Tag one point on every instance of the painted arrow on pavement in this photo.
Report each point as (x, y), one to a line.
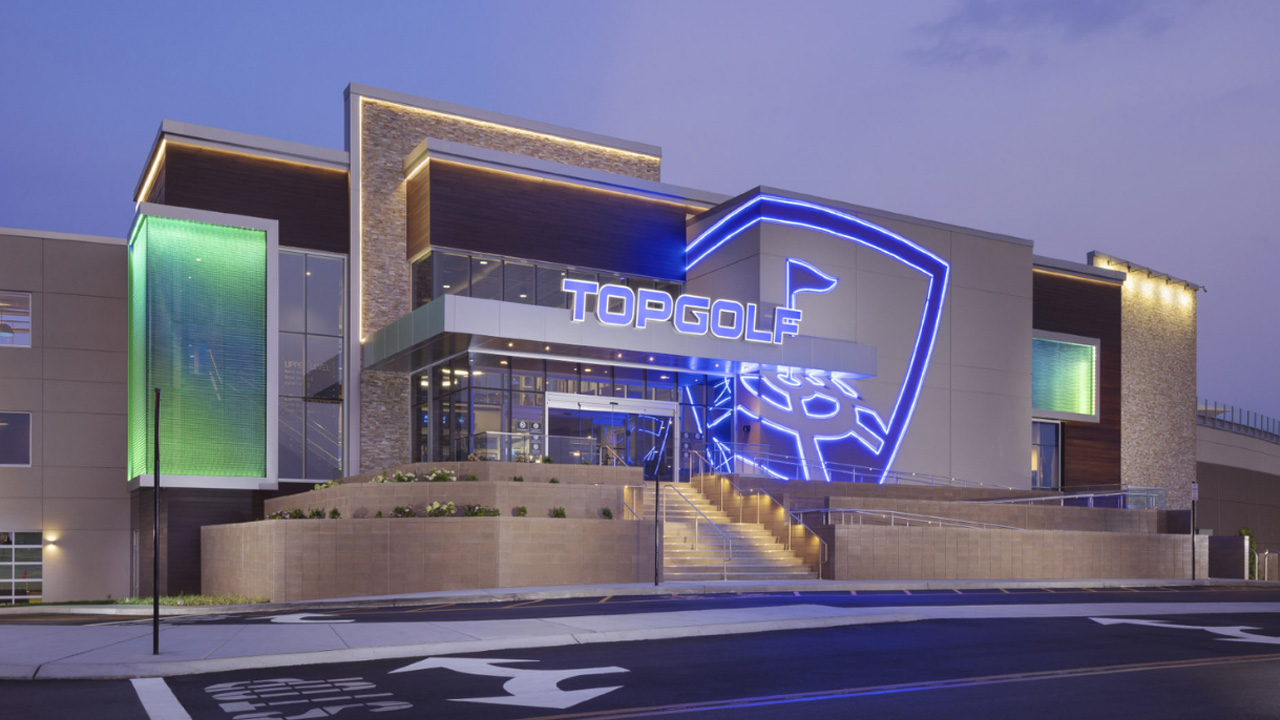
(528, 687)
(1233, 633)
(301, 619)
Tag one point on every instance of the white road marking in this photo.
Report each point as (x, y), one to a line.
(301, 619)
(1233, 633)
(528, 688)
(158, 700)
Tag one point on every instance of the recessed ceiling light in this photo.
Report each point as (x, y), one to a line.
(484, 262)
(446, 287)
(522, 296)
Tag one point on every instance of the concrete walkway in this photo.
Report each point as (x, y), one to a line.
(303, 635)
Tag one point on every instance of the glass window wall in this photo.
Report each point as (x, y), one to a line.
(474, 397)
(21, 567)
(15, 439)
(312, 297)
(448, 272)
(1046, 463)
(15, 319)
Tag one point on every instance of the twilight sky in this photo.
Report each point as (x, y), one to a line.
(1147, 129)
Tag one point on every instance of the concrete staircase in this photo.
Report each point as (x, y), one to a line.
(756, 553)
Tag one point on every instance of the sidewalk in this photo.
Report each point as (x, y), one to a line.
(302, 637)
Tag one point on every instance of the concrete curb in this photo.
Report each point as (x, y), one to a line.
(499, 595)
(98, 671)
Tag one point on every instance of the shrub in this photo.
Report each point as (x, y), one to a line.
(380, 477)
(518, 478)
(441, 475)
(607, 513)
(331, 483)
(471, 478)
(557, 512)
(334, 514)
(546, 460)
(435, 509)
(316, 514)
(290, 514)
(398, 476)
(379, 514)
(555, 481)
(479, 511)
(521, 511)
(403, 511)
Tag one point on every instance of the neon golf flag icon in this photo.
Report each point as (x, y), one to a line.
(815, 423)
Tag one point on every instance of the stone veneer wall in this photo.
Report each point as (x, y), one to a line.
(1158, 384)
(924, 553)
(388, 132)
(386, 419)
(286, 560)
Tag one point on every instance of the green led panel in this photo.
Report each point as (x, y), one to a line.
(1062, 376)
(197, 331)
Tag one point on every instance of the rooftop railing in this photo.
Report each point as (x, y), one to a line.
(1238, 420)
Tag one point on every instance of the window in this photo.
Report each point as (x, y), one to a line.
(1046, 461)
(21, 567)
(1064, 377)
(449, 272)
(311, 326)
(15, 319)
(15, 439)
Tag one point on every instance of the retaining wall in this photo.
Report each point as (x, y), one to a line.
(312, 559)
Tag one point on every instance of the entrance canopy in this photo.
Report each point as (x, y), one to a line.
(452, 323)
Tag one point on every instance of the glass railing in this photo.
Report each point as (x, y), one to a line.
(529, 447)
(1238, 420)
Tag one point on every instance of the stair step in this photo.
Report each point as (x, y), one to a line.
(693, 551)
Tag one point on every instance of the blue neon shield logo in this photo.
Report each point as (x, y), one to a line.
(811, 414)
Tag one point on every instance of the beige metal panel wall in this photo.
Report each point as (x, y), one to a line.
(72, 381)
(1239, 480)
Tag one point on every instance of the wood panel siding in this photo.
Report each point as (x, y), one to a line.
(1090, 451)
(311, 203)
(503, 213)
(418, 213)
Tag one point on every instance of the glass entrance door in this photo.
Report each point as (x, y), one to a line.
(614, 432)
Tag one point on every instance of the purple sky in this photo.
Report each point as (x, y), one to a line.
(1146, 130)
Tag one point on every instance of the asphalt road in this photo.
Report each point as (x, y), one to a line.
(1044, 668)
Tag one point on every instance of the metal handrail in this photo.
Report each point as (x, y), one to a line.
(728, 540)
(632, 510)
(824, 549)
(1155, 496)
(909, 518)
(1237, 420)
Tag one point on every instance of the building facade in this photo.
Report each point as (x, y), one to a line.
(462, 284)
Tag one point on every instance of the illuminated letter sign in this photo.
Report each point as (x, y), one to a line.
(620, 306)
